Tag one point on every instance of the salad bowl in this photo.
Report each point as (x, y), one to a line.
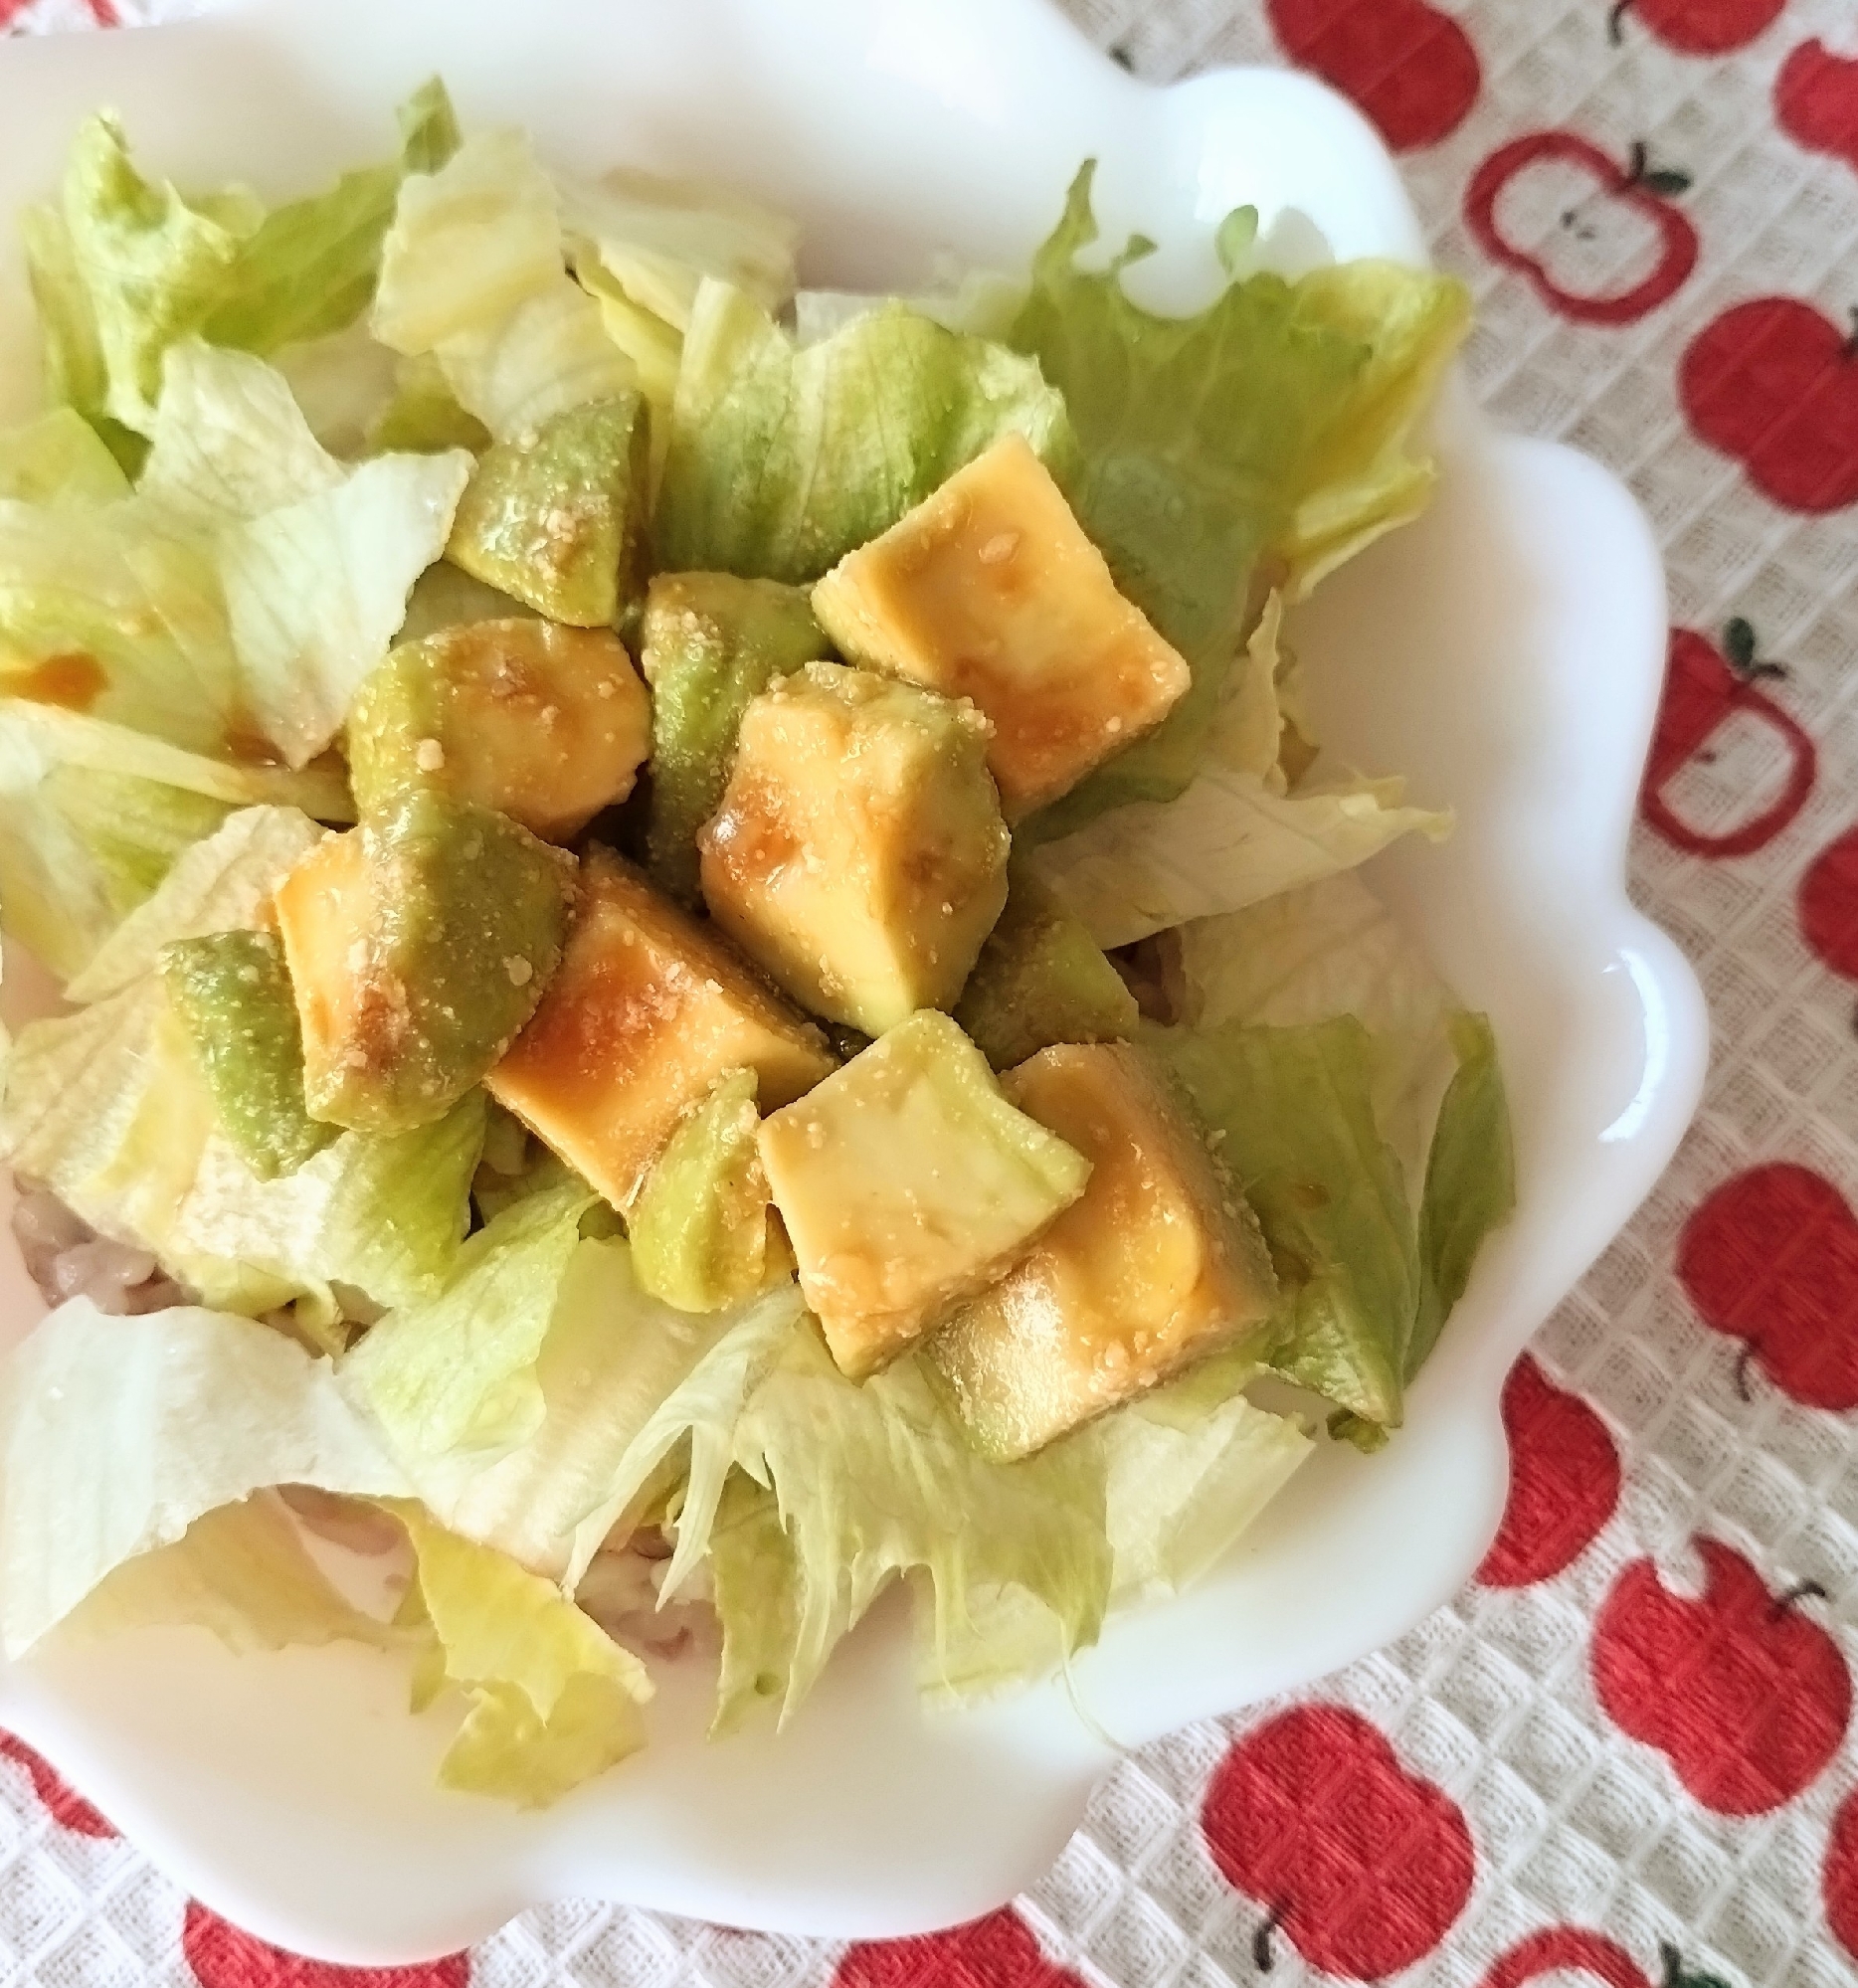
(1503, 652)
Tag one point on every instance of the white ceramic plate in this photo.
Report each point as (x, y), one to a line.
(1505, 653)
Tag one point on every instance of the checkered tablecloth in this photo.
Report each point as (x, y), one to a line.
(1623, 1756)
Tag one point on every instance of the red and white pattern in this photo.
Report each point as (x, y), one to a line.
(1624, 1756)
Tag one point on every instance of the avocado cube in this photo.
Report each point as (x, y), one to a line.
(859, 856)
(418, 944)
(699, 1225)
(1040, 980)
(649, 1010)
(231, 992)
(557, 517)
(1159, 1263)
(545, 724)
(710, 642)
(990, 590)
(907, 1184)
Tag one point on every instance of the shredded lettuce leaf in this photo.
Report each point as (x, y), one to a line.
(103, 614)
(641, 246)
(1239, 834)
(59, 462)
(784, 459)
(623, 1380)
(151, 267)
(317, 560)
(1189, 1468)
(117, 1435)
(241, 1571)
(1333, 948)
(554, 1700)
(1272, 427)
(223, 883)
(126, 267)
(474, 273)
(108, 1107)
(458, 1371)
(93, 816)
(378, 1217)
(1293, 1112)
(1470, 1181)
(309, 267)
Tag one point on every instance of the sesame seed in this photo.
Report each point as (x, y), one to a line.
(428, 756)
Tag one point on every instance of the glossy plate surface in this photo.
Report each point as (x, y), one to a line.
(1505, 653)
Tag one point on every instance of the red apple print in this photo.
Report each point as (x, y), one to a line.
(1741, 1689)
(1410, 69)
(998, 1951)
(1703, 689)
(222, 1956)
(1817, 101)
(1363, 1866)
(65, 1807)
(1574, 1950)
(1697, 27)
(1771, 1259)
(1641, 190)
(1774, 385)
(1564, 1480)
(1838, 1880)
(1829, 905)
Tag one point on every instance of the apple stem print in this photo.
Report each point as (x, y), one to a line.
(1696, 27)
(1537, 204)
(1361, 1864)
(1742, 1692)
(1704, 687)
(1562, 1950)
(1771, 1258)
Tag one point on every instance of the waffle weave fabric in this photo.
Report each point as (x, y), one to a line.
(1623, 1756)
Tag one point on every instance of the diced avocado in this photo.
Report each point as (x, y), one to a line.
(1160, 1262)
(649, 1010)
(233, 995)
(417, 944)
(543, 723)
(907, 1184)
(858, 855)
(990, 590)
(1041, 978)
(700, 1228)
(557, 518)
(709, 644)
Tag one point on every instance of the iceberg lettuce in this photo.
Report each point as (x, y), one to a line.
(1271, 428)
(553, 1700)
(458, 1372)
(117, 1435)
(108, 1107)
(317, 560)
(126, 267)
(223, 883)
(1240, 832)
(239, 1570)
(59, 461)
(93, 816)
(783, 457)
(474, 273)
